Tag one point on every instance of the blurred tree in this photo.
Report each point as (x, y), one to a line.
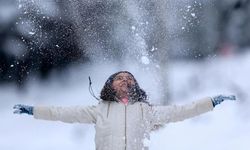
(233, 25)
(43, 42)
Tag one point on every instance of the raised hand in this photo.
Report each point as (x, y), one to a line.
(220, 98)
(20, 109)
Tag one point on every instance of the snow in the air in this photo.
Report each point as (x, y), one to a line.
(227, 127)
(145, 60)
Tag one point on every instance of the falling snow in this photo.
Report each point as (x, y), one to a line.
(145, 60)
(193, 15)
(31, 33)
(133, 27)
(139, 28)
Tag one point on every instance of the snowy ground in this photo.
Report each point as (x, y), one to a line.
(227, 127)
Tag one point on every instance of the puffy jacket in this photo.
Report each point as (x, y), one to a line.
(123, 127)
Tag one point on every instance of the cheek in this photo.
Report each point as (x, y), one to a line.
(114, 85)
(132, 82)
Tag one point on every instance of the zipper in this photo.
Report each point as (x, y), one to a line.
(125, 127)
(108, 110)
(141, 111)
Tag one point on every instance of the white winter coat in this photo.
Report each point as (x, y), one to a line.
(123, 127)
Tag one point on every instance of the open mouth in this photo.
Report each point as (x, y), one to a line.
(124, 84)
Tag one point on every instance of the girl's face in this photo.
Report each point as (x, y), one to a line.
(122, 83)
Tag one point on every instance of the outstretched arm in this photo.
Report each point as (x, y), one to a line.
(174, 113)
(72, 114)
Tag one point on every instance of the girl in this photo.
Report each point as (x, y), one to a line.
(123, 118)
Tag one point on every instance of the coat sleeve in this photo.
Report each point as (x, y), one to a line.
(72, 114)
(165, 114)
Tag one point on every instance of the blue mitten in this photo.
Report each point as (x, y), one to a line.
(220, 98)
(20, 109)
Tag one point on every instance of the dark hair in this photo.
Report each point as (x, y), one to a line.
(136, 94)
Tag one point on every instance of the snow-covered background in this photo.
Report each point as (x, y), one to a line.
(227, 127)
(195, 48)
